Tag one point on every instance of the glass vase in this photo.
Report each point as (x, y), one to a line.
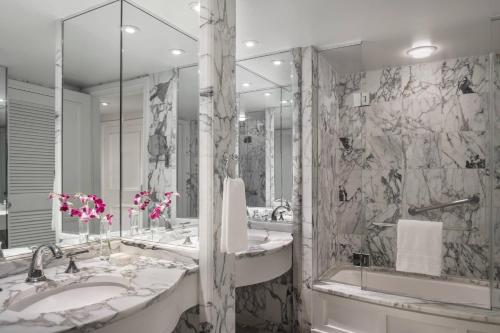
(105, 240)
(155, 229)
(135, 223)
(83, 231)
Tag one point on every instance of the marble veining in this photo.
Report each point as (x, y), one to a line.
(266, 307)
(423, 140)
(218, 139)
(161, 122)
(253, 157)
(150, 279)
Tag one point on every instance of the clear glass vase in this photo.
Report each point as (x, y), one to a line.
(154, 227)
(83, 231)
(104, 239)
(136, 227)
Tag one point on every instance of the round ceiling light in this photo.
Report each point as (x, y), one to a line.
(130, 29)
(284, 101)
(177, 52)
(246, 85)
(267, 94)
(420, 52)
(104, 103)
(277, 62)
(250, 43)
(195, 6)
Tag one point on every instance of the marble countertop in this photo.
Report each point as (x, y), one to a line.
(150, 280)
(408, 303)
(261, 243)
(272, 241)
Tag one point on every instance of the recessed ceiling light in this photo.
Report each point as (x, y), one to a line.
(177, 52)
(250, 43)
(420, 52)
(246, 84)
(242, 117)
(267, 94)
(277, 62)
(130, 29)
(195, 6)
(284, 102)
(104, 103)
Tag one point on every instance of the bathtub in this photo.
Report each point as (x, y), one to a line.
(453, 290)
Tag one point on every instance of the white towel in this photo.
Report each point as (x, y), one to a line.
(419, 247)
(234, 228)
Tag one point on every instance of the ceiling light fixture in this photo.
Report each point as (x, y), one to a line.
(284, 102)
(195, 6)
(267, 94)
(420, 52)
(177, 52)
(246, 85)
(104, 103)
(242, 117)
(277, 62)
(250, 43)
(130, 29)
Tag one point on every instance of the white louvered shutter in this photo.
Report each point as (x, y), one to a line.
(30, 128)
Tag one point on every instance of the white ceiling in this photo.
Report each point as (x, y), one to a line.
(27, 27)
(92, 46)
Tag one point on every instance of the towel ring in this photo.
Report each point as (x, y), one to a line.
(227, 159)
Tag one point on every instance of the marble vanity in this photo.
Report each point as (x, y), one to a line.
(150, 287)
(270, 251)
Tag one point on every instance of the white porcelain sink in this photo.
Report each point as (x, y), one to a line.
(68, 296)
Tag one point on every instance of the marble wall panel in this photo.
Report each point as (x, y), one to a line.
(217, 139)
(161, 125)
(424, 139)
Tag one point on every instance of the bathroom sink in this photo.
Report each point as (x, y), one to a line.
(193, 241)
(68, 296)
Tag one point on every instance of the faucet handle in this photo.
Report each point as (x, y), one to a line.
(75, 253)
(72, 265)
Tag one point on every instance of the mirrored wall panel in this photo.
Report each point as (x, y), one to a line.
(265, 135)
(132, 141)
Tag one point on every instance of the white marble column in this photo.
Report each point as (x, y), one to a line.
(58, 96)
(218, 121)
(309, 105)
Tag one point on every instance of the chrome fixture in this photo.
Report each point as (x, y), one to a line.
(35, 274)
(187, 241)
(278, 212)
(72, 265)
(473, 199)
(227, 159)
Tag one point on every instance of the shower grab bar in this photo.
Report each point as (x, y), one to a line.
(473, 199)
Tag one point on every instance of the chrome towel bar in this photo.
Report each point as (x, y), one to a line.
(473, 199)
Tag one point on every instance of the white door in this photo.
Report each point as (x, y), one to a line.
(131, 167)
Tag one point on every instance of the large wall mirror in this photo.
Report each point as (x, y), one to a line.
(136, 136)
(128, 127)
(265, 135)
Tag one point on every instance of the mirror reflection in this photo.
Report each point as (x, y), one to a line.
(265, 135)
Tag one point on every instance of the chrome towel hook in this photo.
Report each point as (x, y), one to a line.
(227, 159)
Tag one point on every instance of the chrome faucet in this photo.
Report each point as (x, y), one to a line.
(277, 213)
(35, 274)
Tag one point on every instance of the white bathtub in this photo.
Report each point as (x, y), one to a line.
(446, 291)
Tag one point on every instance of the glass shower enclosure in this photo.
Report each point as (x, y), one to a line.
(397, 135)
